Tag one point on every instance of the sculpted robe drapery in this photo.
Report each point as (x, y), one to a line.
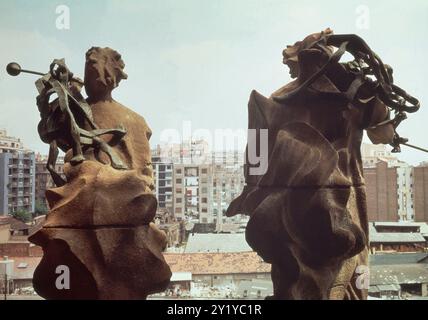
(308, 214)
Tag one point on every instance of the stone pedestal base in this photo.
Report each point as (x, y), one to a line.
(102, 263)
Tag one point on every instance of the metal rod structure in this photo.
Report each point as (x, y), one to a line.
(415, 147)
(14, 69)
(33, 72)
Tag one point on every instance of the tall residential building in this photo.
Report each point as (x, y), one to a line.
(405, 192)
(203, 182)
(389, 184)
(228, 183)
(420, 189)
(43, 177)
(17, 176)
(192, 191)
(389, 187)
(205, 190)
(381, 192)
(162, 176)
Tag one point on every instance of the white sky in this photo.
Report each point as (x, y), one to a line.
(198, 60)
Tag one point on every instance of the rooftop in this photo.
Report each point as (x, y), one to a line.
(15, 224)
(23, 267)
(399, 274)
(398, 258)
(216, 263)
(181, 276)
(217, 242)
(396, 237)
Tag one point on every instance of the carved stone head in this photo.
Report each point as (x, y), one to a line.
(291, 52)
(103, 71)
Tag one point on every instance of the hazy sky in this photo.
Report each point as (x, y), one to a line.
(198, 60)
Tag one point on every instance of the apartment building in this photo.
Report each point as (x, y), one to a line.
(420, 190)
(192, 191)
(389, 192)
(389, 183)
(43, 177)
(162, 176)
(228, 183)
(17, 175)
(205, 190)
(195, 183)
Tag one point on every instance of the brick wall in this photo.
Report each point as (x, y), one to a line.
(20, 249)
(381, 189)
(420, 192)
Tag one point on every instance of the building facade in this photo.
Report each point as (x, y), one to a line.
(390, 185)
(228, 183)
(43, 177)
(162, 178)
(420, 187)
(381, 192)
(17, 176)
(192, 191)
(205, 190)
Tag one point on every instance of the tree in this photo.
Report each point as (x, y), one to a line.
(22, 215)
(40, 208)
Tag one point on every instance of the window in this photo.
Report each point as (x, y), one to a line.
(179, 181)
(204, 171)
(204, 200)
(178, 200)
(178, 171)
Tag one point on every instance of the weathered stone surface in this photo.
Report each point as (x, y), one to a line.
(308, 215)
(100, 221)
(104, 262)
